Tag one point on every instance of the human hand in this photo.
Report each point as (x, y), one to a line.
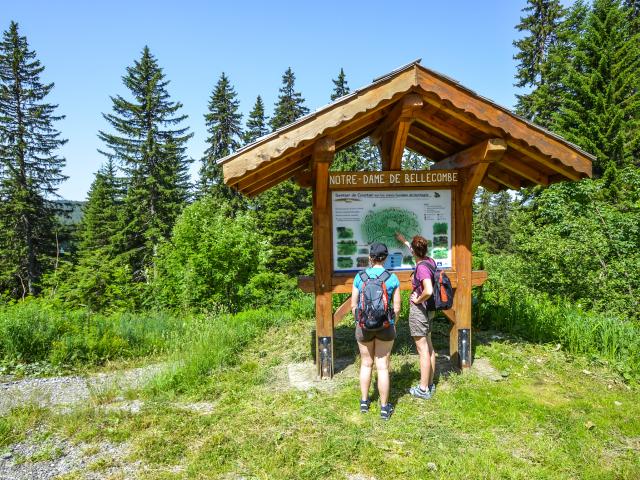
(400, 237)
(414, 297)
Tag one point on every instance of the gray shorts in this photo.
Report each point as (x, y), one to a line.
(420, 320)
(384, 334)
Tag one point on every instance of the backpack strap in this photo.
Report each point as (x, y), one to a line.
(384, 276)
(430, 266)
(363, 276)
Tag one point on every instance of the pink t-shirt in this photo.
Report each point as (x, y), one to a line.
(421, 272)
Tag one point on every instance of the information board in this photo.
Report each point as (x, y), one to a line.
(363, 217)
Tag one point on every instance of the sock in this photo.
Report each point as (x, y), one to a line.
(423, 389)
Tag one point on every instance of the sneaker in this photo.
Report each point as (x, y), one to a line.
(364, 405)
(432, 389)
(417, 392)
(386, 411)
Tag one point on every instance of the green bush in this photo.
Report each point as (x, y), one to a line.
(209, 258)
(38, 331)
(508, 305)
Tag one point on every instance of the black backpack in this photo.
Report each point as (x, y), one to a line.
(442, 298)
(373, 311)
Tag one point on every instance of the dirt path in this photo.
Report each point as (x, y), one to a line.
(70, 390)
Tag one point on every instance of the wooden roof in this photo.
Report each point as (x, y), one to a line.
(428, 113)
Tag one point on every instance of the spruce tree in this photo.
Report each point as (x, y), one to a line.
(149, 145)
(340, 86)
(223, 123)
(601, 108)
(290, 104)
(30, 170)
(256, 123)
(542, 23)
(284, 211)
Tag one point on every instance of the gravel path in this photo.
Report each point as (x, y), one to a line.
(61, 391)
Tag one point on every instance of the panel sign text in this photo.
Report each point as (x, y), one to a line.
(415, 178)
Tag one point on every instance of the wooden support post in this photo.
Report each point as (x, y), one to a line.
(391, 134)
(477, 160)
(322, 157)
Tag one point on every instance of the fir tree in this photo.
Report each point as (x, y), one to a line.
(290, 104)
(542, 22)
(340, 86)
(223, 123)
(256, 123)
(284, 211)
(149, 145)
(101, 222)
(601, 108)
(30, 170)
(355, 157)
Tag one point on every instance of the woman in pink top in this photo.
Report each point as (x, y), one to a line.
(420, 318)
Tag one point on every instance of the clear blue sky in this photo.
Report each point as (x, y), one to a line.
(86, 46)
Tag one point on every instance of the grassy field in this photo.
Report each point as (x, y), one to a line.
(552, 415)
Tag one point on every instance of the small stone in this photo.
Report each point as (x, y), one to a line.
(590, 425)
(558, 347)
(504, 374)
(7, 456)
(432, 467)
(617, 403)
(586, 372)
(609, 386)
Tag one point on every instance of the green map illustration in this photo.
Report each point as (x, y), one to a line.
(382, 225)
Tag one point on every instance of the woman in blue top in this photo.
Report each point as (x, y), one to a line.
(376, 344)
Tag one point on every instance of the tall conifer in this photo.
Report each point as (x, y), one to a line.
(284, 211)
(542, 23)
(223, 123)
(149, 145)
(601, 107)
(256, 123)
(30, 170)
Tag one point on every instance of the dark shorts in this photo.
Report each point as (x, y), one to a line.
(420, 320)
(384, 334)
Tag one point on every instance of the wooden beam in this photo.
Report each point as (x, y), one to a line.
(504, 178)
(427, 117)
(473, 177)
(323, 153)
(566, 172)
(343, 282)
(484, 152)
(274, 168)
(429, 137)
(269, 177)
(491, 185)
(422, 149)
(462, 258)
(342, 311)
(522, 169)
(398, 141)
(402, 111)
(303, 178)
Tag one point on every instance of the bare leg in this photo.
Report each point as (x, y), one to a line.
(366, 365)
(422, 345)
(383, 360)
(432, 356)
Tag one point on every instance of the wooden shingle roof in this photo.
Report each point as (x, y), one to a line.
(441, 118)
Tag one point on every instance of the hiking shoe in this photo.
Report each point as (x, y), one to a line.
(417, 392)
(364, 406)
(386, 411)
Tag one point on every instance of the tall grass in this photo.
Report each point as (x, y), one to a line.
(37, 331)
(212, 342)
(506, 305)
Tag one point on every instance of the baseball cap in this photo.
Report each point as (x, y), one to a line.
(378, 250)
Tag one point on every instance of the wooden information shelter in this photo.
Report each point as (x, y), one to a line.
(472, 141)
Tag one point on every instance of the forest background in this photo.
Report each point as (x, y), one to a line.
(151, 247)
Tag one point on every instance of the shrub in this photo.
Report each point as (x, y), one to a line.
(508, 305)
(209, 258)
